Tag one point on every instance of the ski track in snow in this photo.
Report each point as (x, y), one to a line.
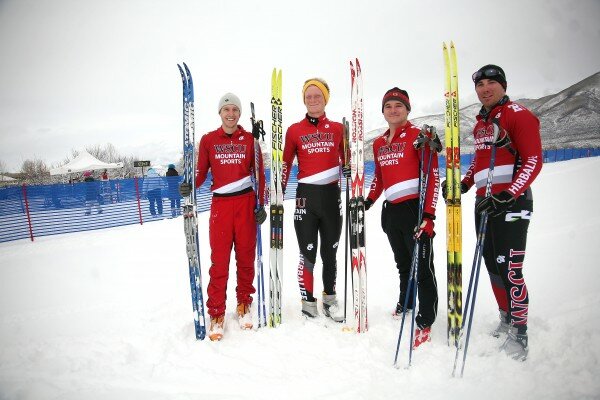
(107, 315)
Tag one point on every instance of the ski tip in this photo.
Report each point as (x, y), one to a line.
(444, 46)
(187, 70)
(357, 64)
(451, 44)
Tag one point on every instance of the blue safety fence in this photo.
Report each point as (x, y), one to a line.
(569, 154)
(549, 156)
(465, 162)
(31, 211)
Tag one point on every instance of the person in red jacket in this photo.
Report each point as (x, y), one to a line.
(517, 163)
(318, 144)
(397, 169)
(228, 153)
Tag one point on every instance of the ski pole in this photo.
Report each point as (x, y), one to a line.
(347, 229)
(257, 130)
(413, 275)
(474, 278)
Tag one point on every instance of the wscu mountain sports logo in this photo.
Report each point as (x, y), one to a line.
(320, 142)
(484, 137)
(389, 154)
(230, 153)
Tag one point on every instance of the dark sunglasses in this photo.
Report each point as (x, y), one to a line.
(487, 73)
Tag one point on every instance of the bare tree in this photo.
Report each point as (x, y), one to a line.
(35, 171)
(106, 153)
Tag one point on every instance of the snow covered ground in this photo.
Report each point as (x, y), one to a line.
(107, 315)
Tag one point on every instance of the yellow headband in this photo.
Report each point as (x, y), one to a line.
(320, 85)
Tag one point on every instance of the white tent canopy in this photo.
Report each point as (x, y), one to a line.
(84, 162)
(4, 178)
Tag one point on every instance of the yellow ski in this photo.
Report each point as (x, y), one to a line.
(453, 204)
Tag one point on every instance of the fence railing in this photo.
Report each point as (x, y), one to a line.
(31, 211)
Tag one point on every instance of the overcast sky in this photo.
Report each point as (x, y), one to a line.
(75, 73)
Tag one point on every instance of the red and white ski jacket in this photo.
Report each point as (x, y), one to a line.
(513, 173)
(320, 151)
(397, 169)
(231, 162)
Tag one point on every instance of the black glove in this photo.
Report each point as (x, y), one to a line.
(185, 189)
(463, 189)
(425, 230)
(257, 129)
(346, 171)
(428, 136)
(495, 204)
(368, 204)
(260, 215)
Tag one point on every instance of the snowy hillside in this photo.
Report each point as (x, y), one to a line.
(107, 315)
(570, 118)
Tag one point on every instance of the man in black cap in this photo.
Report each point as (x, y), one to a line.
(518, 161)
(397, 171)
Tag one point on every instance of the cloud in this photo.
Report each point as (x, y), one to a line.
(86, 72)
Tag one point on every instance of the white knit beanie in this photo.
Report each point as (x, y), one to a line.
(230, 98)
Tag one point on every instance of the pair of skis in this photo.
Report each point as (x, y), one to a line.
(457, 335)
(257, 131)
(453, 203)
(357, 203)
(190, 212)
(276, 201)
(275, 211)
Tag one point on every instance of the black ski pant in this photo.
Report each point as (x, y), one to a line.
(504, 254)
(318, 213)
(398, 222)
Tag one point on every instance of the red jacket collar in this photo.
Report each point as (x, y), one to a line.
(398, 130)
(238, 132)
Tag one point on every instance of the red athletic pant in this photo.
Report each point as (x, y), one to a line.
(231, 223)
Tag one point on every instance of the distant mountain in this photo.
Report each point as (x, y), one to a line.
(570, 118)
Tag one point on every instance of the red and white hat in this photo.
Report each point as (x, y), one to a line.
(396, 94)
